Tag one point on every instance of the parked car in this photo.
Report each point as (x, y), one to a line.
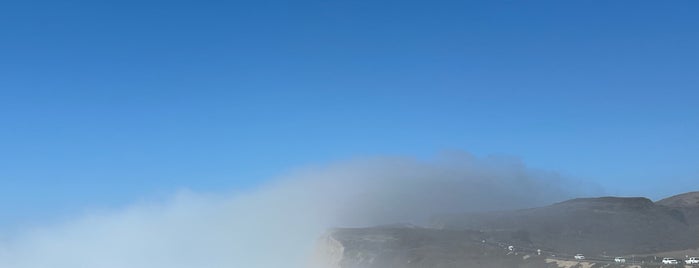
(619, 260)
(669, 261)
(579, 257)
(692, 260)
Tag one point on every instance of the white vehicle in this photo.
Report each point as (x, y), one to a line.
(669, 261)
(579, 257)
(692, 260)
(619, 260)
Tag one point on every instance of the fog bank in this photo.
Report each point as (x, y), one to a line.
(276, 225)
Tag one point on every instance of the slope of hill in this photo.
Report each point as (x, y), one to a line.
(688, 204)
(606, 225)
(385, 247)
(597, 227)
(686, 200)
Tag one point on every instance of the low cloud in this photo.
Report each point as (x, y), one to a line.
(276, 225)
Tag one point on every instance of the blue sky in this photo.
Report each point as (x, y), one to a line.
(103, 103)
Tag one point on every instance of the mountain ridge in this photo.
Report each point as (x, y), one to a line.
(597, 226)
(685, 200)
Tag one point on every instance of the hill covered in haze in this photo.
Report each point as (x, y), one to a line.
(606, 225)
(597, 227)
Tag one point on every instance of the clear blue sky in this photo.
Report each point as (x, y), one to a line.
(103, 103)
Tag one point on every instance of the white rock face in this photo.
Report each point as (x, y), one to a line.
(328, 254)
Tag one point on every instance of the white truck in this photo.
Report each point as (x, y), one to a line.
(669, 261)
(692, 260)
(579, 257)
(619, 260)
